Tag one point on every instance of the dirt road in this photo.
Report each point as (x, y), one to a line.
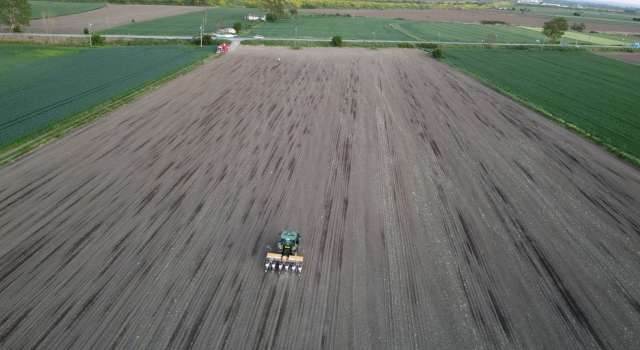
(434, 213)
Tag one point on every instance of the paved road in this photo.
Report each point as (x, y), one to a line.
(434, 212)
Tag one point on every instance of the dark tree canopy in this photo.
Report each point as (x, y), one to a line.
(555, 28)
(274, 7)
(14, 13)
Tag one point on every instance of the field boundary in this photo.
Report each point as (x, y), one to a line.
(616, 151)
(77, 120)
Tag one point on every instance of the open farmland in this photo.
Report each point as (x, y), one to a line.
(42, 86)
(434, 213)
(186, 24)
(61, 8)
(362, 28)
(587, 38)
(109, 16)
(319, 26)
(590, 16)
(595, 93)
(514, 18)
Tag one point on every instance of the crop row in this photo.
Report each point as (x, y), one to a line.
(39, 92)
(595, 93)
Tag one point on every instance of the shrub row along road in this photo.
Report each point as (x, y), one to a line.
(434, 213)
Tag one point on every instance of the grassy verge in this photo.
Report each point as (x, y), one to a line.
(15, 150)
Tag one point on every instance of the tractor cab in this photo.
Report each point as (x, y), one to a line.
(288, 244)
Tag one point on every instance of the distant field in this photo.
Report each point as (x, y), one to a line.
(362, 28)
(42, 86)
(326, 26)
(186, 24)
(593, 38)
(595, 93)
(61, 8)
(428, 31)
(587, 16)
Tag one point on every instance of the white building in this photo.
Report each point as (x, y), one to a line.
(255, 17)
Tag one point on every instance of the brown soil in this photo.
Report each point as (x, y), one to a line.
(434, 213)
(118, 15)
(470, 16)
(623, 56)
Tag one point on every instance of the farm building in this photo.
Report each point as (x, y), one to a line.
(255, 17)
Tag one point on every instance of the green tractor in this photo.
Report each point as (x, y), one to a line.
(287, 254)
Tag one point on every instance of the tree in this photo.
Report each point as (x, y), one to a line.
(237, 27)
(555, 28)
(14, 13)
(274, 7)
(578, 27)
(293, 11)
(437, 53)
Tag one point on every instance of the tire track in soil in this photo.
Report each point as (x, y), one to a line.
(433, 213)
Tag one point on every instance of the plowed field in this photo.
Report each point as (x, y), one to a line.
(434, 213)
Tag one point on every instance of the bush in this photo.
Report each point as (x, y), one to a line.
(17, 29)
(488, 22)
(437, 53)
(86, 30)
(576, 14)
(427, 45)
(207, 40)
(133, 20)
(406, 46)
(336, 41)
(271, 17)
(237, 26)
(97, 39)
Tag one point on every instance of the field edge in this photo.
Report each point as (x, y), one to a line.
(18, 149)
(575, 128)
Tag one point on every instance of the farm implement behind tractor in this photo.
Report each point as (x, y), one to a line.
(286, 257)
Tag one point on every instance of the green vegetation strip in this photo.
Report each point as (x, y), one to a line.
(35, 135)
(592, 95)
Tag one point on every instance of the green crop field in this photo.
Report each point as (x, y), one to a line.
(597, 94)
(593, 38)
(362, 28)
(41, 86)
(61, 8)
(350, 28)
(324, 27)
(456, 32)
(186, 24)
